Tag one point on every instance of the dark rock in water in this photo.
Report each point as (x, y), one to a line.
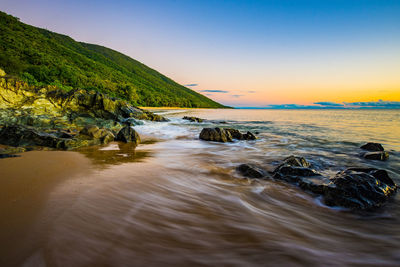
(372, 147)
(354, 188)
(315, 185)
(359, 188)
(127, 135)
(193, 119)
(215, 134)
(250, 171)
(296, 162)
(236, 134)
(293, 169)
(378, 155)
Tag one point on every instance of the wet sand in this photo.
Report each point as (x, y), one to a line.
(26, 183)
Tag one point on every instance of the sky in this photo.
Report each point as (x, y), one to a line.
(245, 53)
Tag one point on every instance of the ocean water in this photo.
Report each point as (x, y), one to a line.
(177, 201)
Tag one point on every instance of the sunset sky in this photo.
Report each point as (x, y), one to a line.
(244, 53)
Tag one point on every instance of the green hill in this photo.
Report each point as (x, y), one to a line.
(41, 57)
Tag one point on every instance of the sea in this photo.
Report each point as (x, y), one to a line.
(176, 200)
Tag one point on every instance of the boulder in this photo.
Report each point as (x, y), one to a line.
(215, 134)
(296, 162)
(236, 134)
(127, 135)
(359, 188)
(93, 132)
(293, 169)
(193, 119)
(250, 171)
(372, 147)
(20, 135)
(377, 155)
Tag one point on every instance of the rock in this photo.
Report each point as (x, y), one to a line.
(296, 162)
(236, 134)
(249, 136)
(193, 119)
(91, 131)
(372, 147)
(354, 188)
(314, 185)
(3, 156)
(215, 134)
(224, 135)
(131, 122)
(63, 134)
(378, 155)
(19, 135)
(127, 135)
(250, 171)
(293, 169)
(359, 188)
(51, 102)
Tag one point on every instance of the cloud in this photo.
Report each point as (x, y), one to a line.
(236, 96)
(329, 104)
(215, 91)
(346, 105)
(251, 92)
(290, 106)
(375, 104)
(191, 84)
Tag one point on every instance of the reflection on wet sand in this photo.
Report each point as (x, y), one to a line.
(114, 154)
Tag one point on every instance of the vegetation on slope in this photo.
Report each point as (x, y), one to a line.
(41, 57)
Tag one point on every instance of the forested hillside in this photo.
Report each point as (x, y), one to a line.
(41, 57)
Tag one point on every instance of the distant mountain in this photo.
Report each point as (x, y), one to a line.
(42, 57)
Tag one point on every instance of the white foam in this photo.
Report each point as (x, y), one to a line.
(165, 130)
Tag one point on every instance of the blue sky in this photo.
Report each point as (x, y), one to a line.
(245, 53)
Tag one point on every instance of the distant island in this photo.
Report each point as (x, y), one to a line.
(40, 58)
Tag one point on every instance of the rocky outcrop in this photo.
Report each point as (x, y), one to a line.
(193, 119)
(216, 135)
(128, 135)
(20, 135)
(353, 188)
(224, 135)
(27, 136)
(51, 101)
(50, 117)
